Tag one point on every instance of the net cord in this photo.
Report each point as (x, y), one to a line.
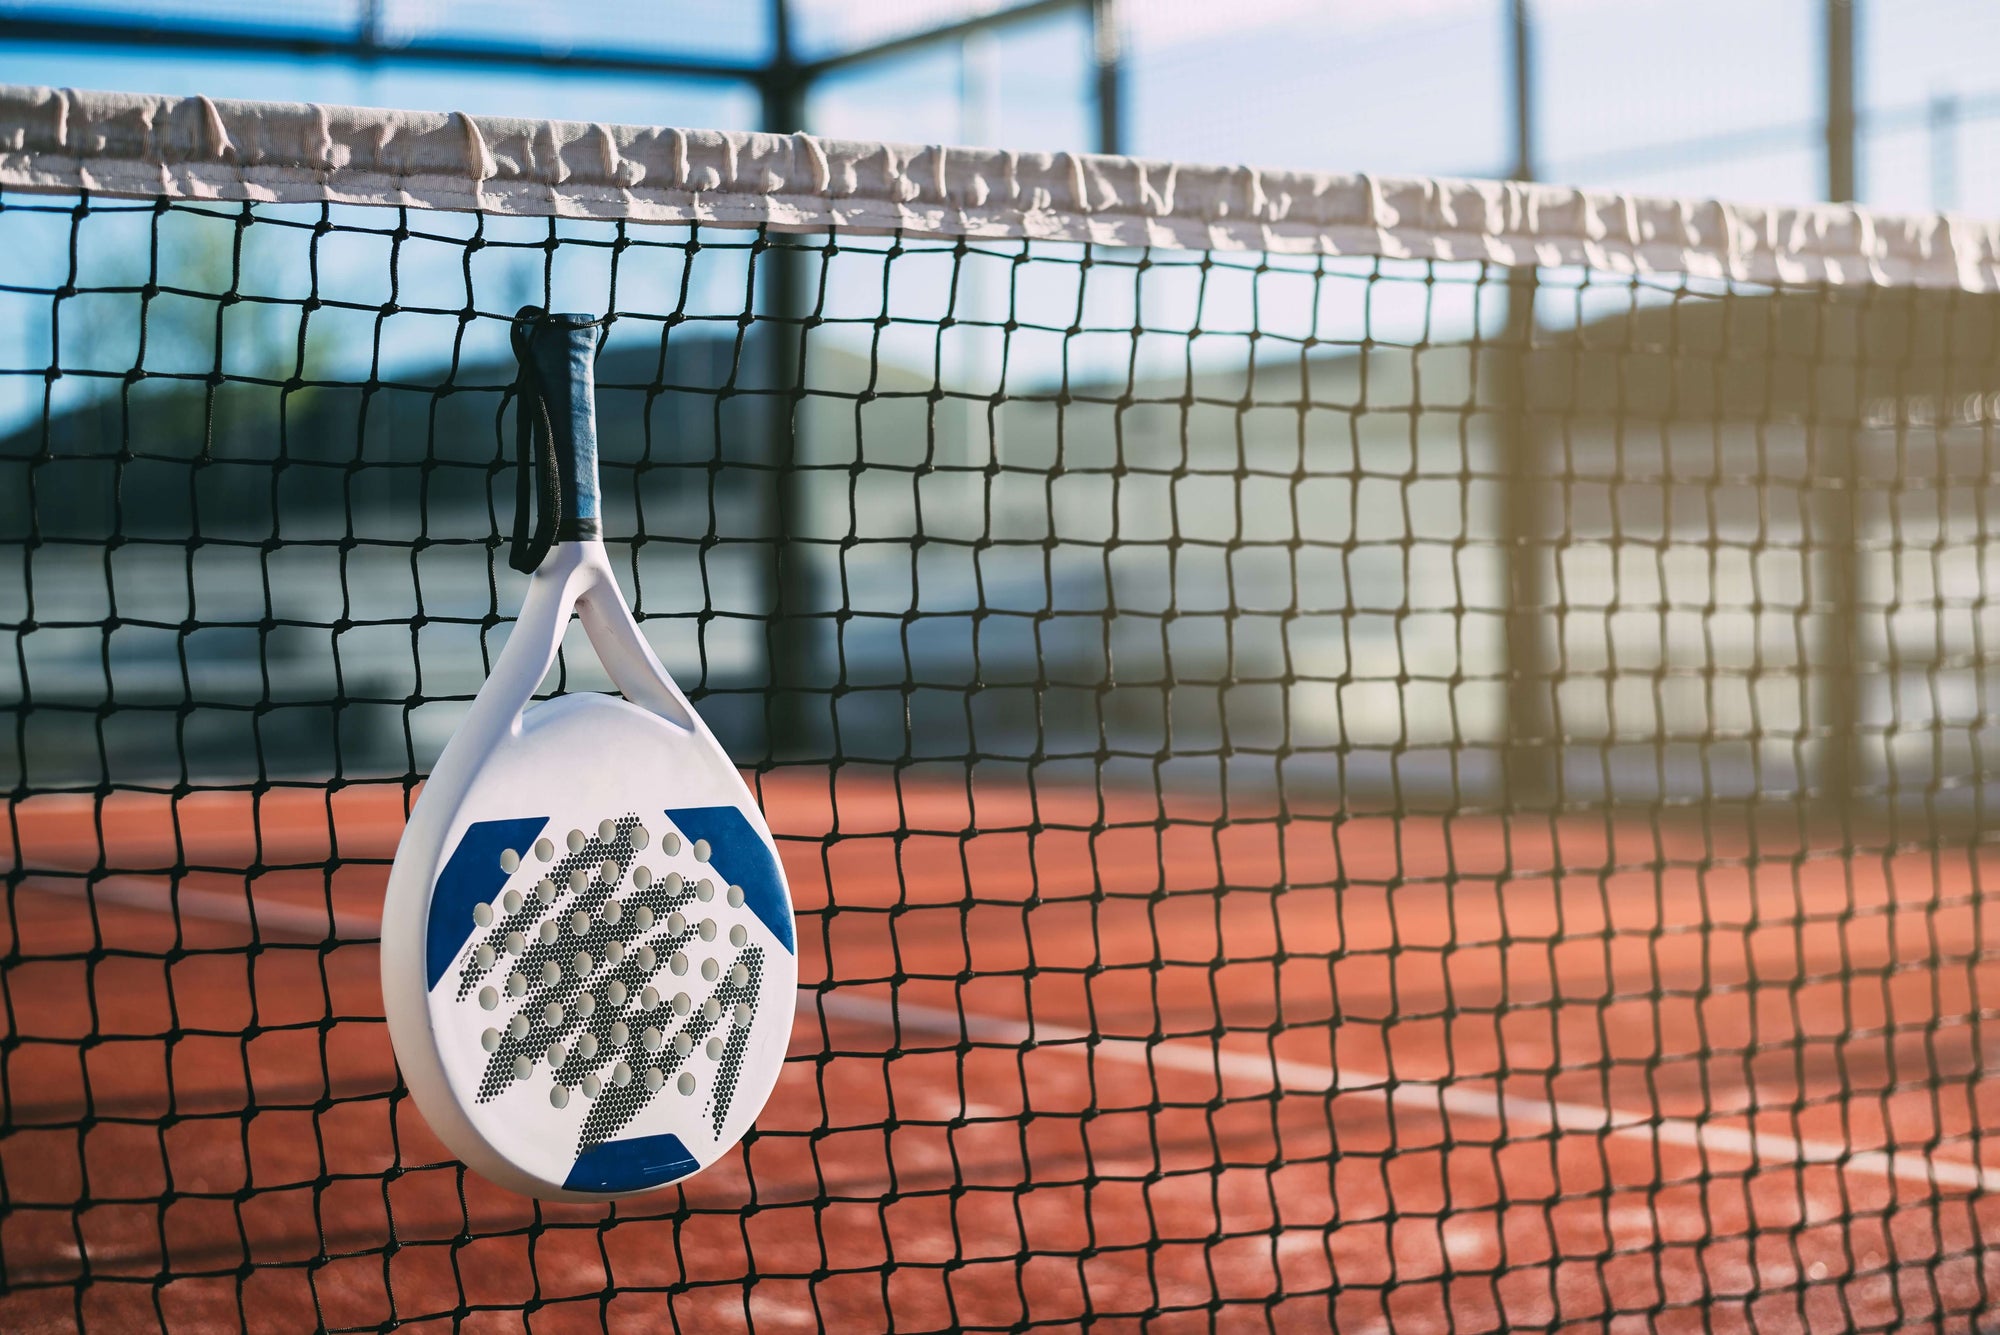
(148, 146)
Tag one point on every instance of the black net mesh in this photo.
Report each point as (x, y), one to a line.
(1394, 794)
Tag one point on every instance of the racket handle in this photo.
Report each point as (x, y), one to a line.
(558, 355)
(563, 348)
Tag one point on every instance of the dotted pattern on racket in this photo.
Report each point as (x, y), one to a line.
(594, 967)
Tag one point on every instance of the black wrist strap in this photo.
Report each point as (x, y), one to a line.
(534, 452)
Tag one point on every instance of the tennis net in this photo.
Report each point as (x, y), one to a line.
(1400, 754)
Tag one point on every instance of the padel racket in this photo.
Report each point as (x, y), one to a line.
(588, 956)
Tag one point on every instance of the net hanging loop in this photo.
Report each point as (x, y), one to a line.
(536, 444)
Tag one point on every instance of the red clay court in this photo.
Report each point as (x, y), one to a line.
(1062, 1056)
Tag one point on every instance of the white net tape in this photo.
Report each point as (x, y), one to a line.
(122, 144)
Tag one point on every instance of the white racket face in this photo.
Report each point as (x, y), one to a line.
(609, 958)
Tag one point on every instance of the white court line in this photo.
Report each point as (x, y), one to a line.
(1761, 1147)
(274, 918)
(1295, 1077)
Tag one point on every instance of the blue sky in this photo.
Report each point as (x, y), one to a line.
(1413, 87)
